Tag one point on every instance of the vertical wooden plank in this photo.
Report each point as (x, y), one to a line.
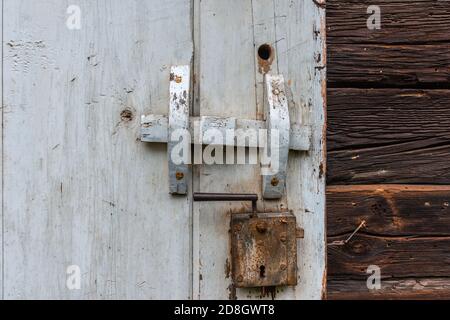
(226, 58)
(229, 32)
(264, 34)
(81, 188)
(1, 153)
(300, 32)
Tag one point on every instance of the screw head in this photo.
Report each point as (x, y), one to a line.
(275, 182)
(180, 176)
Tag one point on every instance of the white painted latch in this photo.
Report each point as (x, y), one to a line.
(281, 135)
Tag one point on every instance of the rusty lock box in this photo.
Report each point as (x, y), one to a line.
(264, 250)
(263, 245)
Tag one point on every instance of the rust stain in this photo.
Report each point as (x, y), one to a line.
(176, 78)
(127, 115)
(179, 176)
(320, 3)
(266, 57)
(321, 170)
(324, 284)
(227, 269)
(232, 290)
(264, 250)
(275, 182)
(269, 291)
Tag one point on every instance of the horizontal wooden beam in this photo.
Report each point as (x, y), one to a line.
(389, 210)
(359, 118)
(406, 234)
(389, 65)
(388, 136)
(406, 22)
(391, 289)
(396, 256)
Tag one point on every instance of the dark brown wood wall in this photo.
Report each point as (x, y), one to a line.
(389, 148)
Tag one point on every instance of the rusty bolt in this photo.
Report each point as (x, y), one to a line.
(261, 227)
(178, 79)
(240, 279)
(283, 267)
(180, 176)
(275, 181)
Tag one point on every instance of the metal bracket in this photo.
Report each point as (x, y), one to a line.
(278, 121)
(178, 120)
(165, 129)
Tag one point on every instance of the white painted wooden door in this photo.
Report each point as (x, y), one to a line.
(81, 193)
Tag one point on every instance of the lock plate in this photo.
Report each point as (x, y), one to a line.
(264, 250)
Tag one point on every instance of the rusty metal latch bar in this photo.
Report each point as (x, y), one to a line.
(207, 197)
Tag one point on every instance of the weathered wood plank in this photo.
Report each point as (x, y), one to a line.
(389, 210)
(391, 289)
(80, 188)
(360, 118)
(412, 22)
(416, 162)
(398, 257)
(226, 89)
(1, 158)
(389, 65)
(300, 52)
(388, 136)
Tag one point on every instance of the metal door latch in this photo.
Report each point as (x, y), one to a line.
(263, 245)
(160, 128)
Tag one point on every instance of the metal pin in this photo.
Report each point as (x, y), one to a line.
(343, 243)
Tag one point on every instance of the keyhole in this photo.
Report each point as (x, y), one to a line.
(262, 271)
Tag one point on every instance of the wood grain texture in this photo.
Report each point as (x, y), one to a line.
(415, 162)
(402, 22)
(80, 188)
(360, 118)
(228, 87)
(372, 65)
(406, 235)
(1, 159)
(389, 210)
(391, 289)
(399, 257)
(388, 136)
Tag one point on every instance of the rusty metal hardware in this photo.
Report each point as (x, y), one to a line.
(210, 197)
(263, 245)
(291, 135)
(264, 250)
